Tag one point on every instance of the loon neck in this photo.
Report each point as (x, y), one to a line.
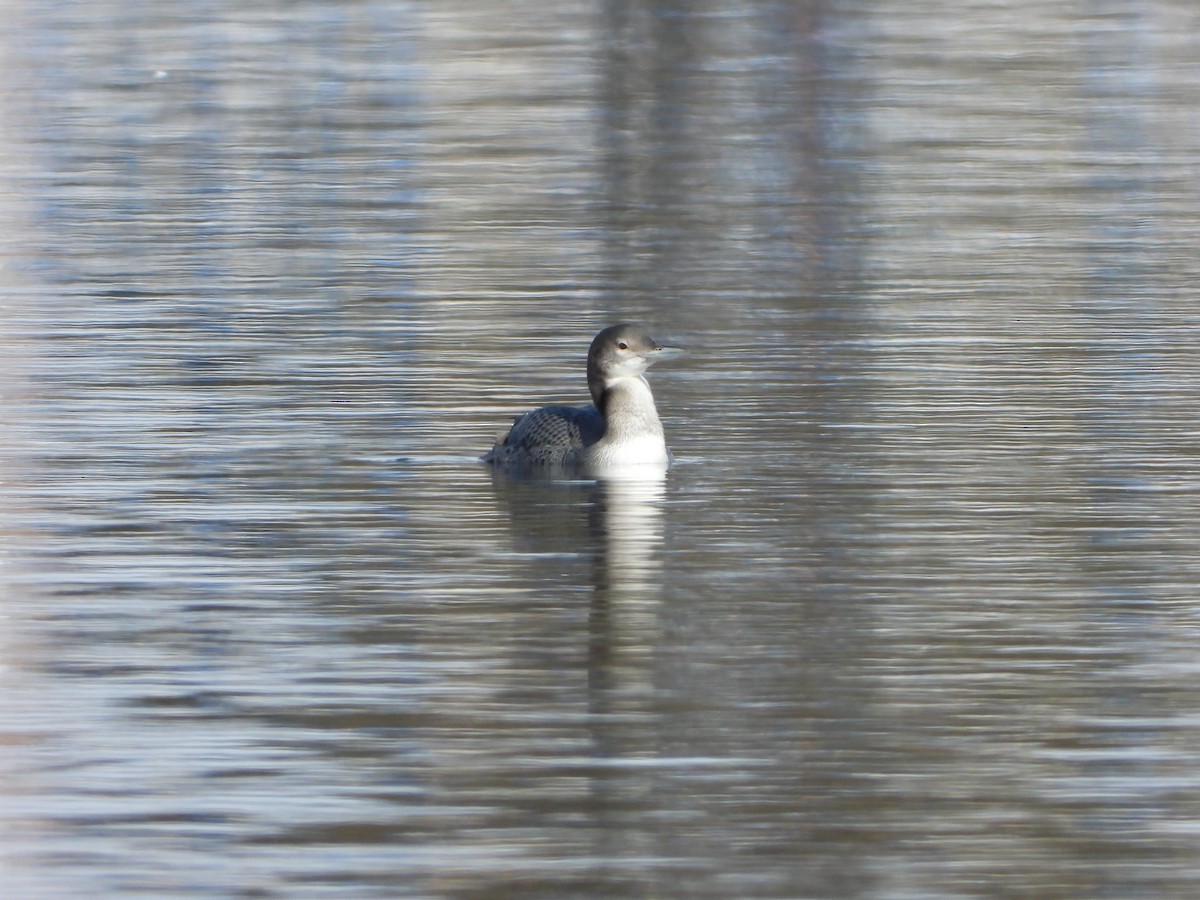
(633, 435)
(628, 409)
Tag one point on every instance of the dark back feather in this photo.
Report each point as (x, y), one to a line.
(552, 435)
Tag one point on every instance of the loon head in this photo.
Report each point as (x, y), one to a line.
(620, 351)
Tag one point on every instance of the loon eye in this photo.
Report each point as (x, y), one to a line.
(622, 345)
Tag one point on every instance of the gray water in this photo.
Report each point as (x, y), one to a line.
(916, 614)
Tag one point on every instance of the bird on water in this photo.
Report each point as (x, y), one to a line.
(619, 429)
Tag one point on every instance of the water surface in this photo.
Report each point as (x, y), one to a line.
(915, 614)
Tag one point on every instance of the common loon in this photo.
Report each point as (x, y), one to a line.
(620, 428)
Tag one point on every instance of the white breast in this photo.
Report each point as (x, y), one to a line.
(644, 450)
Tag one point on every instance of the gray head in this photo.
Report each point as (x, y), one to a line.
(620, 351)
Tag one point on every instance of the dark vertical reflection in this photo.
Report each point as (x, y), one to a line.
(727, 134)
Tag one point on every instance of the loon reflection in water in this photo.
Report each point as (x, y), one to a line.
(621, 427)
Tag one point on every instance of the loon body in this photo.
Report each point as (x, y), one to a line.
(619, 429)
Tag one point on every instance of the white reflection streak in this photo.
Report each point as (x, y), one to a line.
(633, 530)
(629, 541)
